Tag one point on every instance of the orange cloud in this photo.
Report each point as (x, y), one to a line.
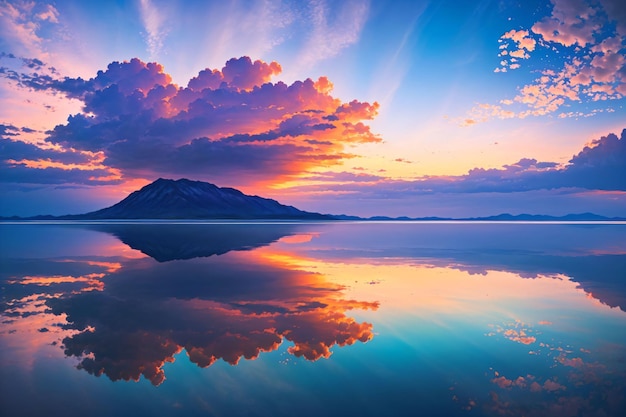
(230, 125)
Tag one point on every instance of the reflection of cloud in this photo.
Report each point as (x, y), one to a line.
(519, 336)
(23, 277)
(571, 385)
(318, 331)
(587, 257)
(517, 332)
(227, 307)
(299, 238)
(527, 383)
(92, 280)
(130, 338)
(27, 284)
(503, 382)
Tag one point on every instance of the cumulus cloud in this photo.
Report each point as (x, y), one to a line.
(520, 43)
(585, 44)
(229, 125)
(601, 165)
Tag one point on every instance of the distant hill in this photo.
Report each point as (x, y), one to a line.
(538, 217)
(579, 217)
(186, 199)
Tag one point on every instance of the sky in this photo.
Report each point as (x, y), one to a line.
(404, 108)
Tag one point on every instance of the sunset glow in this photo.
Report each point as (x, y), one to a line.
(328, 106)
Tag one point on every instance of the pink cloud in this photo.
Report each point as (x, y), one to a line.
(571, 22)
(521, 38)
(584, 33)
(519, 336)
(238, 72)
(520, 42)
(550, 385)
(225, 122)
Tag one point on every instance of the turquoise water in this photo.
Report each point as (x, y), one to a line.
(313, 319)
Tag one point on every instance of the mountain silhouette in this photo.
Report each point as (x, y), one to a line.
(168, 242)
(186, 199)
(196, 200)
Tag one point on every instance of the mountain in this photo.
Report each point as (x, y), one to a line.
(576, 217)
(539, 217)
(186, 199)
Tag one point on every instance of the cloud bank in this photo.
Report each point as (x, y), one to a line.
(224, 124)
(600, 166)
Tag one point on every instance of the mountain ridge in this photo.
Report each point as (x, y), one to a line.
(184, 199)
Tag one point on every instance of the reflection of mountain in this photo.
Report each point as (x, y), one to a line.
(166, 242)
(185, 199)
(561, 249)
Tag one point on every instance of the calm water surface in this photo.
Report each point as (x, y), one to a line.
(313, 319)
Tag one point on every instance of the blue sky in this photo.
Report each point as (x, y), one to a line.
(414, 108)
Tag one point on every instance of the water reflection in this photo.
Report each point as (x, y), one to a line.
(458, 319)
(129, 317)
(167, 242)
(594, 256)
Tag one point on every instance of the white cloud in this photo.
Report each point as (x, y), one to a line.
(332, 29)
(152, 19)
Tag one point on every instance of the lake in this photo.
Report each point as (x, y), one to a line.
(313, 319)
